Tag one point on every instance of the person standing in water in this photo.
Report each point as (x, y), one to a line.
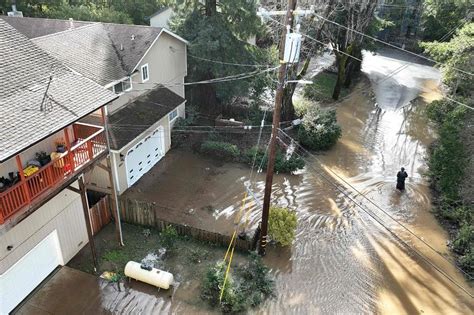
(401, 176)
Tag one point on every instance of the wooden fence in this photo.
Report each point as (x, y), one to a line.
(147, 214)
(100, 214)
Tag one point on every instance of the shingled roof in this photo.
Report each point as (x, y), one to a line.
(36, 27)
(25, 70)
(104, 52)
(88, 50)
(142, 113)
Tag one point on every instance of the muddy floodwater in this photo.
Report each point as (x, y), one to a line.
(343, 261)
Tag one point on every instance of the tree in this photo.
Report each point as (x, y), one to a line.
(217, 30)
(441, 18)
(456, 54)
(355, 16)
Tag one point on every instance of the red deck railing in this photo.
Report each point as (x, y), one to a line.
(91, 142)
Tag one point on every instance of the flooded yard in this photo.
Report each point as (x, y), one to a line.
(343, 261)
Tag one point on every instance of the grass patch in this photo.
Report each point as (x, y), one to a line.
(322, 88)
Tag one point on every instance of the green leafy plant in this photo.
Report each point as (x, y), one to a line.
(282, 225)
(247, 286)
(319, 130)
(464, 240)
(282, 164)
(168, 236)
(220, 150)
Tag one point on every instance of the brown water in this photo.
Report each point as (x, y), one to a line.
(342, 261)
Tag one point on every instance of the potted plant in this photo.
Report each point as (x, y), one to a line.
(60, 146)
(43, 158)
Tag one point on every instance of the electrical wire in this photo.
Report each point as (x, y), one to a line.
(230, 63)
(390, 45)
(374, 204)
(376, 218)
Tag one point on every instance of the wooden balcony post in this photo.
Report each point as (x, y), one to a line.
(70, 155)
(102, 110)
(22, 177)
(85, 208)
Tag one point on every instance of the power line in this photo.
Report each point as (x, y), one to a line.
(391, 45)
(421, 88)
(373, 203)
(376, 218)
(230, 63)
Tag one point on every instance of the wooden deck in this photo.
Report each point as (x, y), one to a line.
(90, 144)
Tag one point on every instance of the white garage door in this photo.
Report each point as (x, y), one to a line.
(18, 281)
(141, 158)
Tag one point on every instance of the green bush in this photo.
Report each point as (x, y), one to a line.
(319, 130)
(246, 286)
(466, 262)
(448, 159)
(220, 150)
(282, 164)
(168, 236)
(282, 225)
(464, 240)
(439, 109)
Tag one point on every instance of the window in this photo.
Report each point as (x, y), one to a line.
(145, 73)
(123, 86)
(173, 115)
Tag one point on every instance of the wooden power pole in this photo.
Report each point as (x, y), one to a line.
(275, 126)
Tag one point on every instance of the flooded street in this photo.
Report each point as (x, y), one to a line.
(354, 252)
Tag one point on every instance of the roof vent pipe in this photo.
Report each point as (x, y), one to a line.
(71, 23)
(133, 37)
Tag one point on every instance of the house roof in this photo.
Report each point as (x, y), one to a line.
(88, 50)
(104, 52)
(138, 115)
(25, 71)
(36, 27)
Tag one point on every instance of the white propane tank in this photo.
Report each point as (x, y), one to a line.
(156, 277)
(292, 47)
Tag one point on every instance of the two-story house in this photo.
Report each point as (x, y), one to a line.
(145, 66)
(45, 150)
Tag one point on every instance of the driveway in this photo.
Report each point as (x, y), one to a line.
(70, 291)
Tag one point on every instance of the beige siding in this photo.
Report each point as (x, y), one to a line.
(63, 213)
(166, 63)
(162, 19)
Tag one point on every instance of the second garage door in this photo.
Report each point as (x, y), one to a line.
(141, 157)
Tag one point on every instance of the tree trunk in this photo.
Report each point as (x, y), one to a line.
(341, 69)
(211, 7)
(288, 108)
(353, 66)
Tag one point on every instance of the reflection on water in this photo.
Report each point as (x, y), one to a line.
(342, 261)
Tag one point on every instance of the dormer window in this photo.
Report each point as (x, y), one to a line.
(145, 73)
(123, 86)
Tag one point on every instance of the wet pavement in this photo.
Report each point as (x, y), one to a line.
(343, 260)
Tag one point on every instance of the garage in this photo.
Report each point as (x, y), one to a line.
(28, 272)
(144, 155)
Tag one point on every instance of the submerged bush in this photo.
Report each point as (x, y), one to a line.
(246, 286)
(464, 239)
(220, 150)
(282, 163)
(319, 130)
(282, 225)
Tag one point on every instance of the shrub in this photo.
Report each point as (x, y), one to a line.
(247, 286)
(466, 262)
(282, 164)
(319, 130)
(282, 225)
(439, 109)
(220, 150)
(168, 236)
(464, 239)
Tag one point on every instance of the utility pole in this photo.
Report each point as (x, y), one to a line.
(276, 124)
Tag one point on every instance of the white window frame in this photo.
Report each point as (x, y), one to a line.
(147, 72)
(175, 117)
(129, 89)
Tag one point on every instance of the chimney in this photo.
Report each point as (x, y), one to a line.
(14, 12)
(121, 46)
(71, 23)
